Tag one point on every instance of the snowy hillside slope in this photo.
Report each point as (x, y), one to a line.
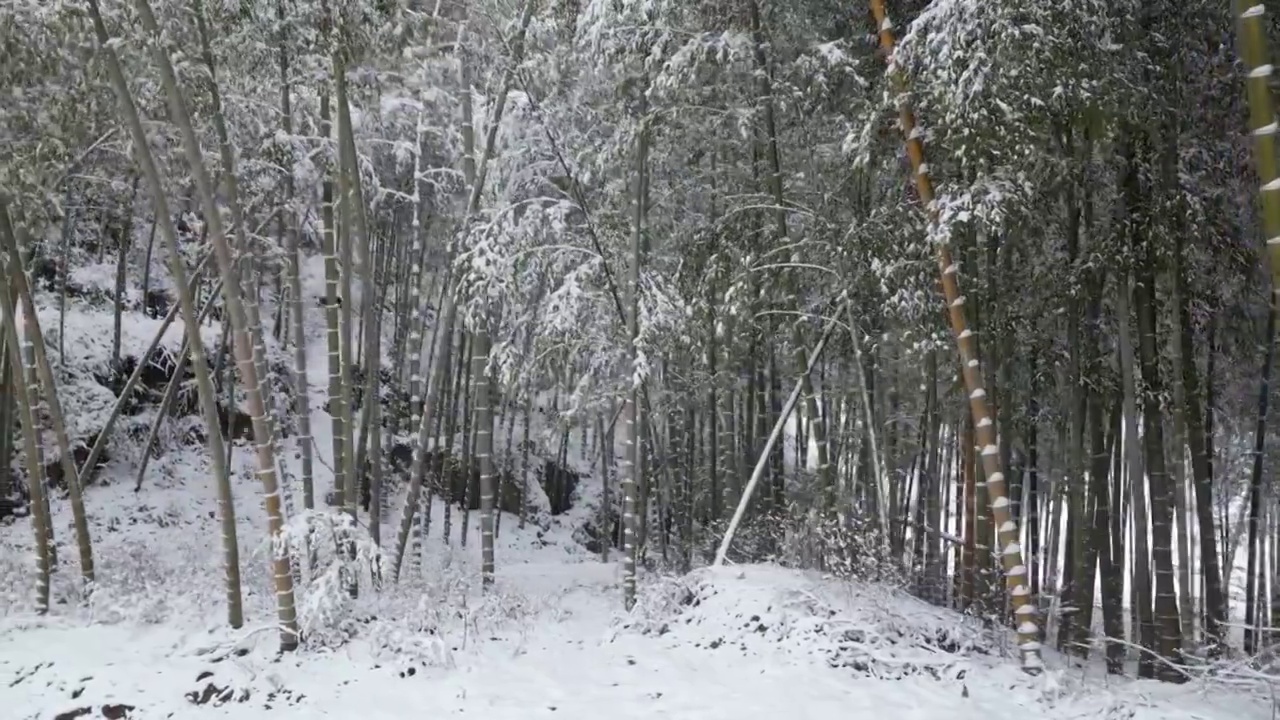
(550, 640)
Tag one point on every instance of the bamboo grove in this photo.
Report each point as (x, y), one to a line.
(695, 252)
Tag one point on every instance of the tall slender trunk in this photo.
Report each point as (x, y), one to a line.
(965, 453)
(1032, 507)
(1092, 524)
(122, 264)
(1110, 555)
(247, 250)
(934, 566)
(1167, 619)
(1024, 609)
(244, 346)
(335, 403)
(1077, 485)
(44, 374)
(1257, 565)
(301, 389)
(23, 392)
(712, 507)
(872, 447)
(1115, 581)
(1214, 600)
(352, 230)
(630, 412)
(7, 423)
(1182, 520)
(418, 295)
(186, 302)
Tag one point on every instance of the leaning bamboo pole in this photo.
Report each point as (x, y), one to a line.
(1015, 570)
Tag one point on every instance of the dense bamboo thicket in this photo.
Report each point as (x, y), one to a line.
(698, 248)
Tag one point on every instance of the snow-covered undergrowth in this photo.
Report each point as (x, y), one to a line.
(868, 629)
(152, 634)
(549, 640)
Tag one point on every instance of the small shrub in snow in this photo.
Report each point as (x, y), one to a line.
(17, 567)
(339, 553)
(414, 643)
(1257, 674)
(657, 603)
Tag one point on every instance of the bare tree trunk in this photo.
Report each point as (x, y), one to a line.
(1135, 470)
(1167, 620)
(301, 388)
(1256, 58)
(231, 293)
(1257, 566)
(1111, 563)
(7, 423)
(122, 263)
(873, 446)
(418, 294)
(44, 375)
(630, 411)
(247, 250)
(1215, 599)
(352, 230)
(23, 390)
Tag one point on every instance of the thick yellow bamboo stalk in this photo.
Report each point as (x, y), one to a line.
(1263, 125)
(1015, 570)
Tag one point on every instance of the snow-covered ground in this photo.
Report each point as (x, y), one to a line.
(551, 647)
(549, 640)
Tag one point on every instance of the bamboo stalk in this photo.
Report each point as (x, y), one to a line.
(1024, 609)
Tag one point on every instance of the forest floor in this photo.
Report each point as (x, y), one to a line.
(548, 640)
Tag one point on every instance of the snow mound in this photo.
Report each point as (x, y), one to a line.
(757, 609)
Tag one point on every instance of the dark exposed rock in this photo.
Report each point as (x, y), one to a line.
(239, 426)
(160, 366)
(79, 454)
(117, 711)
(44, 270)
(157, 302)
(595, 539)
(211, 693)
(14, 505)
(560, 483)
(110, 711)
